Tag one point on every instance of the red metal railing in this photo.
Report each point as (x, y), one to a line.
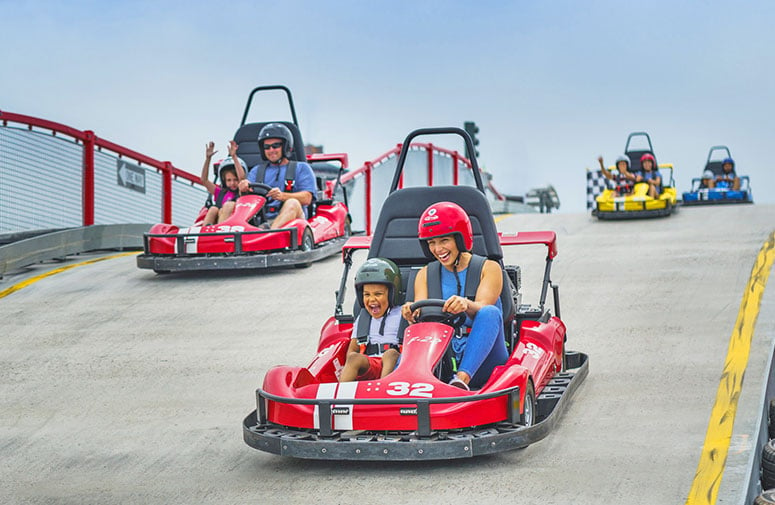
(366, 172)
(90, 142)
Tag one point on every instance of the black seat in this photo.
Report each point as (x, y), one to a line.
(246, 138)
(716, 167)
(635, 157)
(395, 235)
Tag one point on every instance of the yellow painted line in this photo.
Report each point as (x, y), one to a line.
(501, 217)
(722, 418)
(24, 284)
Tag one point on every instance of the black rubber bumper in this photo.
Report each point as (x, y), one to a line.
(634, 214)
(725, 201)
(366, 446)
(258, 260)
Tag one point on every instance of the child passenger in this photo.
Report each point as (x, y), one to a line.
(231, 171)
(623, 180)
(373, 350)
(651, 175)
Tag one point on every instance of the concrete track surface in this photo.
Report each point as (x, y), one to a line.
(122, 386)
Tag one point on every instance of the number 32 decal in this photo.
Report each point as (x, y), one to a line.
(405, 389)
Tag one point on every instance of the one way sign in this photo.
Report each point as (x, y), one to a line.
(130, 176)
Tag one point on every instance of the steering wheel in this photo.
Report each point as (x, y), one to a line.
(259, 188)
(430, 312)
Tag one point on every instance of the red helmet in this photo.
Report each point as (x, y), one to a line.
(647, 156)
(445, 218)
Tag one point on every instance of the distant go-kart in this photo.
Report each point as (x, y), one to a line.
(638, 204)
(701, 194)
(412, 414)
(239, 242)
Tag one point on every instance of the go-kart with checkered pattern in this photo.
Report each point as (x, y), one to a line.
(637, 203)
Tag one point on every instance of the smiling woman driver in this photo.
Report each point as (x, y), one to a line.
(446, 235)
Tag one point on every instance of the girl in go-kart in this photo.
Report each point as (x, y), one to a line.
(650, 175)
(446, 235)
(230, 172)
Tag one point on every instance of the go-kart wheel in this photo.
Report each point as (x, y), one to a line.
(767, 476)
(528, 417)
(307, 244)
(259, 188)
(307, 240)
(431, 312)
(771, 419)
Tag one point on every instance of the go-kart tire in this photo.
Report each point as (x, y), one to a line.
(528, 417)
(765, 498)
(768, 465)
(767, 480)
(307, 244)
(768, 454)
(771, 420)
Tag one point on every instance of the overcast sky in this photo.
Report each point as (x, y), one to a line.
(551, 84)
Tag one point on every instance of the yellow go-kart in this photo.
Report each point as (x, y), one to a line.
(632, 201)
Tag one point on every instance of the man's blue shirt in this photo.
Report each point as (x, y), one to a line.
(275, 177)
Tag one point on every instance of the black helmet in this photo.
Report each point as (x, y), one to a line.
(379, 271)
(276, 131)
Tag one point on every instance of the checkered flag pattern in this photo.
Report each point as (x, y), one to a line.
(596, 183)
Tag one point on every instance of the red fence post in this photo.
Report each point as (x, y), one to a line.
(166, 193)
(87, 180)
(367, 176)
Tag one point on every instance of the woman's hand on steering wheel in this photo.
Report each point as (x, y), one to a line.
(455, 304)
(432, 310)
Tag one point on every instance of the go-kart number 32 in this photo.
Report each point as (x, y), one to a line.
(399, 388)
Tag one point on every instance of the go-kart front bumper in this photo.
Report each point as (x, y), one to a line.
(422, 444)
(164, 263)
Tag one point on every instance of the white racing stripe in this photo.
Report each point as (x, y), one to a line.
(345, 421)
(325, 391)
(191, 243)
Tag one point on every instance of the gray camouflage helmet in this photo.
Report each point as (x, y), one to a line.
(379, 271)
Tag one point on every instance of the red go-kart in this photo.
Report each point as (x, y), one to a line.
(412, 413)
(240, 242)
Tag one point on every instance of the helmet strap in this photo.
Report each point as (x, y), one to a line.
(457, 277)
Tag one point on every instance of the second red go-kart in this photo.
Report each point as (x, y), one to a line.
(239, 242)
(412, 413)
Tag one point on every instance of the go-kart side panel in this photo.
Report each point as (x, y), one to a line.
(333, 331)
(328, 362)
(539, 350)
(328, 222)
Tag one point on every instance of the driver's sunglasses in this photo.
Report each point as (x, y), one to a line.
(276, 145)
